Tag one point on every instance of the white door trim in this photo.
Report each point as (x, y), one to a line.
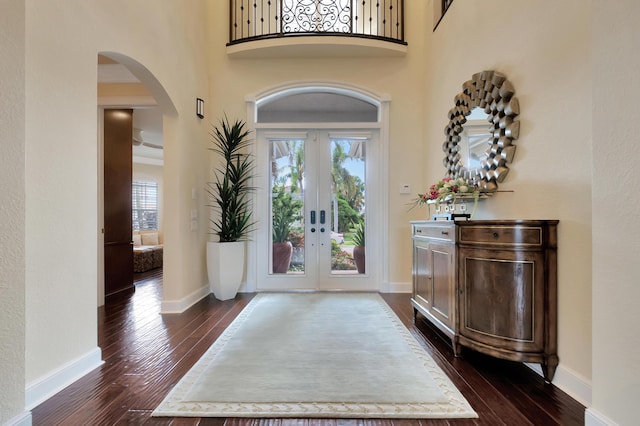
(318, 275)
(383, 101)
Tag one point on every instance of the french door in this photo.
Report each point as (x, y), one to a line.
(318, 196)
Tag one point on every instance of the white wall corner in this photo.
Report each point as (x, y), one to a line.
(391, 287)
(44, 388)
(570, 382)
(595, 418)
(179, 306)
(23, 419)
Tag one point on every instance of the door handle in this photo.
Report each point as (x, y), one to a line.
(322, 217)
(313, 217)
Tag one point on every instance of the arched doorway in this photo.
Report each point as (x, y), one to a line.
(135, 89)
(322, 188)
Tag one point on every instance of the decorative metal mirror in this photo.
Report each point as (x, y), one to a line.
(481, 131)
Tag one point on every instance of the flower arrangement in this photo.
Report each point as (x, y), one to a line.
(447, 189)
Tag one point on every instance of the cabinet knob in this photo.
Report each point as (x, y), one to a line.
(495, 235)
(445, 232)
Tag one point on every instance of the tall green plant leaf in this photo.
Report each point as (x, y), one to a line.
(359, 236)
(231, 190)
(286, 211)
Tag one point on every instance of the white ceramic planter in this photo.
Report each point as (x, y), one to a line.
(225, 268)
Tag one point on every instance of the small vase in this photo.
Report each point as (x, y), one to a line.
(281, 257)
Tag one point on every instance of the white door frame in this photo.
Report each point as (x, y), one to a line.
(382, 101)
(318, 275)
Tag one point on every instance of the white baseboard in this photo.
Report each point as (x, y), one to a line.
(23, 419)
(44, 388)
(179, 306)
(594, 418)
(570, 382)
(390, 287)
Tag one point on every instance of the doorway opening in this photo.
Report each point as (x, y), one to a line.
(127, 88)
(321, 189)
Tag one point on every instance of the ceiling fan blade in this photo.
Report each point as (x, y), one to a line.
(151, 145)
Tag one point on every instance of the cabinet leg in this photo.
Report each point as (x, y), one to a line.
(549, 367)
(415, 314)
(457, 348)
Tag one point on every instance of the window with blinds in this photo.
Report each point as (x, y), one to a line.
(144, 206)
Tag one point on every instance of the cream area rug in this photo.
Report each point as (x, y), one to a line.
(316, 355)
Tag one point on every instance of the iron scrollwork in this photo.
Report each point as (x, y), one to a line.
(316, 16)
(260, 19)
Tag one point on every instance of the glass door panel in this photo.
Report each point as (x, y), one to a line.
(315, 193)
(348, 183)
(287, 206)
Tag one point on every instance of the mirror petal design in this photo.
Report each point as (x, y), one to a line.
(491, 91)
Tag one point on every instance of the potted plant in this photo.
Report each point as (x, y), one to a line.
(231, 200)
(285, 211)
(359, 250)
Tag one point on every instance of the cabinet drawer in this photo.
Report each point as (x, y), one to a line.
(521, 236)
(446, 233)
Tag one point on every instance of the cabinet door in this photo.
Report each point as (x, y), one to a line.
(502, 295)
(441, 265)
(421, 275)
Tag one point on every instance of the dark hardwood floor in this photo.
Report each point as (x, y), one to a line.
(146, 353)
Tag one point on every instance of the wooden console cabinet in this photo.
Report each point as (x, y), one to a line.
(434, 284)
(490, 286)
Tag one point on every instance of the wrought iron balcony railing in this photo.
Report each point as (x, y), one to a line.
(260, 19)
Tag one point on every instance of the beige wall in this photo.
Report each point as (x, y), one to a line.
(63, 41)
(12, 202)
(401, 78)
(543, 48)
(616, 234)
